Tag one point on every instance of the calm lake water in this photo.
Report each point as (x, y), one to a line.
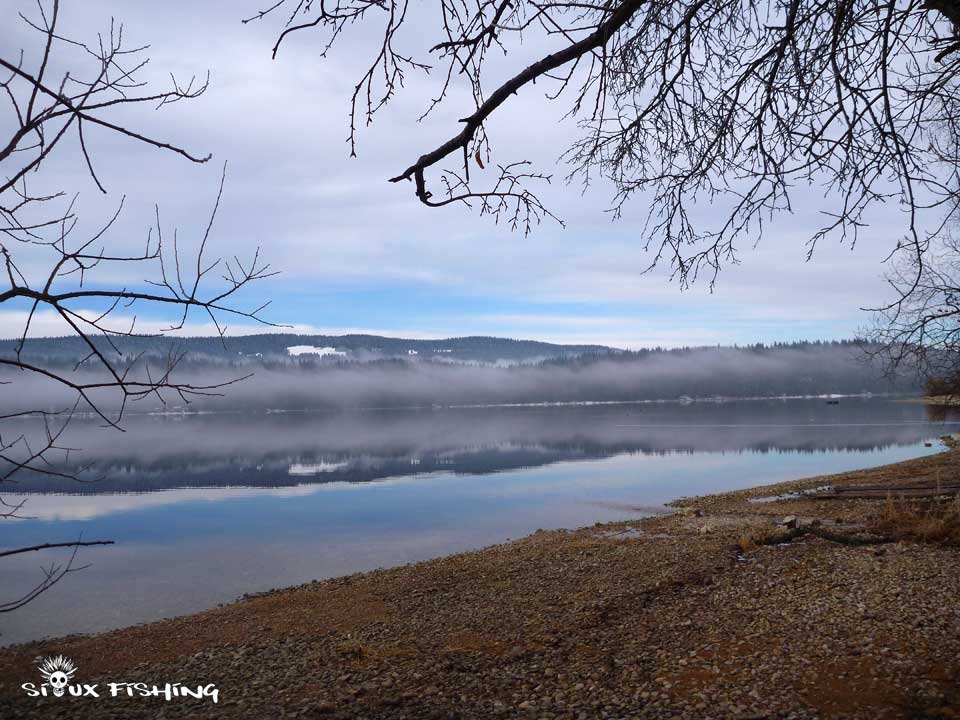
(205, 508)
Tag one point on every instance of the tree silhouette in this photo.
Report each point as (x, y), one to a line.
(47, 266)
(683, 102)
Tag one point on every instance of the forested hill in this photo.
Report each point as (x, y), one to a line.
(278, 348)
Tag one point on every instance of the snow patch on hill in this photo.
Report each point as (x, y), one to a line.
(313, 350)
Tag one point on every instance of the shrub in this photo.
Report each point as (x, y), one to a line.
(928, 520)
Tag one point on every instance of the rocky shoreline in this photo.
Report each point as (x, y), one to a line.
(720, 610)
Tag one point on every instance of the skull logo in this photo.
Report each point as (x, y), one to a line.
(57, 671)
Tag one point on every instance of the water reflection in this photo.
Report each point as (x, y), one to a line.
(205, 508)
(279, 450)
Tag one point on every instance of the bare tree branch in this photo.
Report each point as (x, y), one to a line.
(688, 103)
(40, 230)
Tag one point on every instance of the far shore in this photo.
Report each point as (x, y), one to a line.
(774, 602)
(940, 400)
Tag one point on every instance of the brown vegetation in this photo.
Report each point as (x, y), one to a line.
(929, 520)
(945, 387)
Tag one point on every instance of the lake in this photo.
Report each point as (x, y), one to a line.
(204, 508)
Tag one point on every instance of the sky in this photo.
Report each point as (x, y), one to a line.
(359, 254)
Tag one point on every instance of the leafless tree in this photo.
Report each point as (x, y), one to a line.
(52, 95)
(735, 104)
(921, 334)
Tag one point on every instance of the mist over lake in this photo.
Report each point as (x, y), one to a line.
(310, 373)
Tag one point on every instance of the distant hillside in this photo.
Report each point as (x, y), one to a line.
(273, 348)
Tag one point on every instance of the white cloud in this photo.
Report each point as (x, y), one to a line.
(47, 323)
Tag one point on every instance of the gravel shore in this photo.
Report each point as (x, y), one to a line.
(687, 615)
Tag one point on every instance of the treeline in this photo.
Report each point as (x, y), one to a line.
(270, 350)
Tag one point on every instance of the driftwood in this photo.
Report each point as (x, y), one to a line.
(881, 492)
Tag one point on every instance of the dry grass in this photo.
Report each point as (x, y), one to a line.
(935, 521)
(948, 386)
(747, 543)
(756, 538)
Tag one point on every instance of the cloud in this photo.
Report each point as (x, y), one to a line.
(47, 323)
(332, 222)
